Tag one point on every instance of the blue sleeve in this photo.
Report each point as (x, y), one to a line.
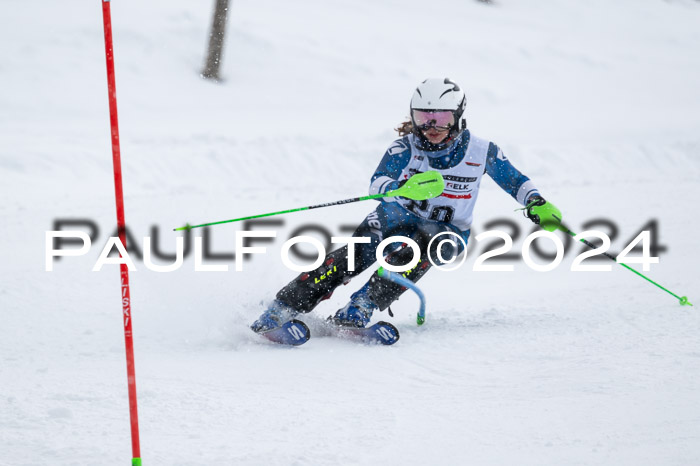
(507, 176)
(389, 170)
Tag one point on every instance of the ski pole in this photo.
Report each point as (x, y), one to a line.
(682, 299)
(419, 187)
(405, 282)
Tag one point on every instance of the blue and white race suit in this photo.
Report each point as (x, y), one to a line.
(462, 165)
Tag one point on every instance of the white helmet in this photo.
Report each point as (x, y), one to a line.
(438, 102)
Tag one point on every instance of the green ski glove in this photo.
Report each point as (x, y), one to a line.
(543, 213)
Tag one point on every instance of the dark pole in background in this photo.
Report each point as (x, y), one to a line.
(216, 41)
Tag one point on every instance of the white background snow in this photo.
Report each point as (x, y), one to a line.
(597, 101)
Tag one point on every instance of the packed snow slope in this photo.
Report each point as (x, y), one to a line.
(597, 101)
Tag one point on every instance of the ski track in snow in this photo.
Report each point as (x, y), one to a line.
(596, 102)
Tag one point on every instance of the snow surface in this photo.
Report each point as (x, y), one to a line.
(597, 101)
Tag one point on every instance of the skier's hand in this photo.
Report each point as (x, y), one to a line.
(394, 185)
(543, 213)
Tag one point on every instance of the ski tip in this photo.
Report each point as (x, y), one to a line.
(292, 333)
(386, 333)
(381, 333)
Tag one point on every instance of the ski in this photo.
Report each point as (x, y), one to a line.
(382, 333)
(293, 333)
(296, 332)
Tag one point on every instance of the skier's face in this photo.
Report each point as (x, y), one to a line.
(435, 135)
(435, 124)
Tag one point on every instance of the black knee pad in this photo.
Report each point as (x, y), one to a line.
(310, 288)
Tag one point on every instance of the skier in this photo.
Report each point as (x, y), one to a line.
(435, 138)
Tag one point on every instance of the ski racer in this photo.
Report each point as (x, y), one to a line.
(435, 138)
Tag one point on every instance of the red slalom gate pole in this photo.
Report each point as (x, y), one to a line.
(121, 227)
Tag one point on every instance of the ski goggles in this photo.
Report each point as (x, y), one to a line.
(440, 120)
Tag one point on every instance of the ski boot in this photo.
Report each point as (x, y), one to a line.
(358, 312)
(276, 315)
